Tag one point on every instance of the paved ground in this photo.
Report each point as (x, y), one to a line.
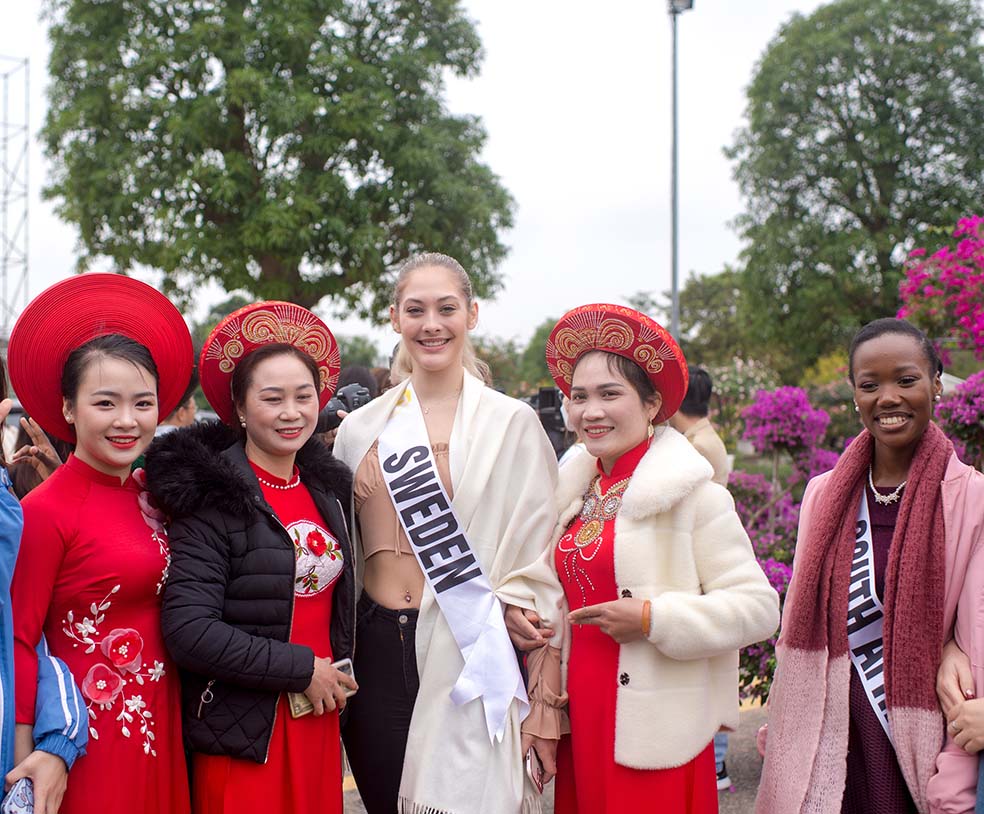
(744, 766)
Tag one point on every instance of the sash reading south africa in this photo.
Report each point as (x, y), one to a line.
(451, 568)
(865, 618)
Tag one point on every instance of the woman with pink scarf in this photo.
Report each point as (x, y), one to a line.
(884, 542)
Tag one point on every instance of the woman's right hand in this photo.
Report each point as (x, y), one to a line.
(954, 680)
(525, 629)
(327, 688)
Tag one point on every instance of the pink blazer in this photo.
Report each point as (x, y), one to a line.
(953, 789)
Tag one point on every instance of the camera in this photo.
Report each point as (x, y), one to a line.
(348, 398)
(547, 405)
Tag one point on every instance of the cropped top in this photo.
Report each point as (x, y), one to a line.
(379, 526)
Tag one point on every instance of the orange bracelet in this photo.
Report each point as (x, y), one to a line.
(647, 608)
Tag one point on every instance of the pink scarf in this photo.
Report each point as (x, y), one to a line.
(805, 767)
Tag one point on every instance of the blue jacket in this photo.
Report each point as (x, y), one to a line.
(60, 722)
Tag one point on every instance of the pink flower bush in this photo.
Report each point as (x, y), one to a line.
(783, 420)
(809, 463)
(753, 495)
(961, 415)
(944, 293)
(757, 662)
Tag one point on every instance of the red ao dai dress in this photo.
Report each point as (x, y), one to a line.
(89, 576)
(588, 779)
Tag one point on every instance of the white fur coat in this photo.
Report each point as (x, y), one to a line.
(504, 475)
(680, 544)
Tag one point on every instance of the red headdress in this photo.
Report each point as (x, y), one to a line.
(626, 332)
(256, 325)
(81, 308)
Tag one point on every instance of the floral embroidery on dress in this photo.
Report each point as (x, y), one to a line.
(106, 684)
(317, 555)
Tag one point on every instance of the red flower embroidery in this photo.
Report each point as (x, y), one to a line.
(124, 648)
(101, 684)
(316, 543)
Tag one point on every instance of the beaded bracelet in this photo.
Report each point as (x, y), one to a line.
(647, 608)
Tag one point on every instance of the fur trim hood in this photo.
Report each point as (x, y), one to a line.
(669, 471)
(204, 466)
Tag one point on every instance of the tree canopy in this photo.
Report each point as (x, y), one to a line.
(712, 331)
(294, 150)
(863, 130)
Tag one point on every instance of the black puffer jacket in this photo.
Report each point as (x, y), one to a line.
(229, 598)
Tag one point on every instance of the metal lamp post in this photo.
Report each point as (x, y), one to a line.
(676, 7)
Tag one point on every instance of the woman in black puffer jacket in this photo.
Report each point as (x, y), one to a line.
(261, 561)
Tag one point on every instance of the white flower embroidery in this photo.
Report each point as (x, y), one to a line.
(106, 683)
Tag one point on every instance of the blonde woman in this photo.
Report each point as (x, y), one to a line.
(453, 509)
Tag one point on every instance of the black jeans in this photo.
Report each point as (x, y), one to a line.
(379, 713)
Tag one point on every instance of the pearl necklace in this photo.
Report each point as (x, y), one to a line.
(885, 500)
(295, 481)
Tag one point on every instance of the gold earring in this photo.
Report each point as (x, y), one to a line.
(652, 430)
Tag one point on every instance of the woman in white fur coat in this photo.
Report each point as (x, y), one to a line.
(660, 581)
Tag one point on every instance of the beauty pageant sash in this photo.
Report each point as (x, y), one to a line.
(865, 619)
(452, 570)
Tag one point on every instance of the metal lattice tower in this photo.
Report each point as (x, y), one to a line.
(15, 142)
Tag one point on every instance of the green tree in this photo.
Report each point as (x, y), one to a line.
(863, 130)
(503, 358)
(358, 350)
(533, 361)
(293, 150)
(712, 324)
(218, 312)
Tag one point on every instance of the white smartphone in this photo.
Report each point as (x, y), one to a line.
(300, 705)
(534, 769)
(345, 666)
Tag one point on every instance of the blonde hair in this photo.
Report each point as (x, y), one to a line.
(402, 365)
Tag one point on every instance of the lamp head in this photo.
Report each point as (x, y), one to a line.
(677, 6)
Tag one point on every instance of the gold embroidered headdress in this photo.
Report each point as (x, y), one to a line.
(264, 323)
(626, 332)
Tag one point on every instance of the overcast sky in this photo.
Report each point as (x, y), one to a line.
(575, 97)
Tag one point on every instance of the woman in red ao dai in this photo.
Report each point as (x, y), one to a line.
(659, 578)
(94, 556)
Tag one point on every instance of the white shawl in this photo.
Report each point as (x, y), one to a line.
(504, 473)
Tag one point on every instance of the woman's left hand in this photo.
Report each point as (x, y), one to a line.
(546, 750)
(620, 619)
(965, 723)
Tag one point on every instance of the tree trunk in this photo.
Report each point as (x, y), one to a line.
(287, 279)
